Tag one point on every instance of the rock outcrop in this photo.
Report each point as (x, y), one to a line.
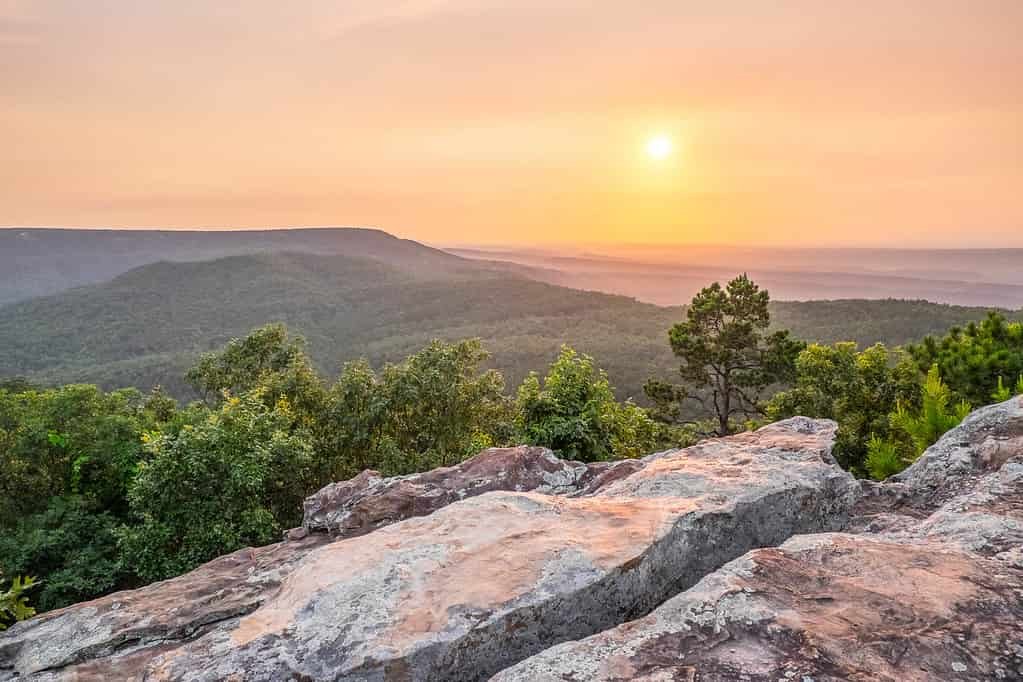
(483, 581)
(929, 587)
(751, 558)
(369, 501)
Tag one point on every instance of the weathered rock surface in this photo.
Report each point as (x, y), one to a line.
(461, 592)
(369, 501)
(929, 588)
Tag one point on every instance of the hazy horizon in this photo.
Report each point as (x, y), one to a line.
(603, 249)
(486, 122)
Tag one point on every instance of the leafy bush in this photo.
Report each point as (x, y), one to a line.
(858, 389)
(574, 413)
(913, 430)
(73, 546)
(232, 479)
(74, 439)
(436, 408)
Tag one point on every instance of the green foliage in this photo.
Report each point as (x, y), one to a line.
(1003, 392)
(434, 409)
(439, 401)
(72, 545)
(13, 602)
(236, 477)
(269, 359)
(74, 439)
(883, 458)
(102, 491)
(935, 416)
(574, 413)
(69, 456)
(150, 325)
(728, 357)
(221, 479)
(973, 359)
(857, 389)
(913, 430)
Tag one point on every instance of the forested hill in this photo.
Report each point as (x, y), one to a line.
(39, 262)
(148, 325)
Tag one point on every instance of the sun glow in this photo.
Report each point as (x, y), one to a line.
(659, 147)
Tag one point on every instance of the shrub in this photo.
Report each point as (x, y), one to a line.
(13, 603)
(72, 546)
(234, 478)
(883, 459)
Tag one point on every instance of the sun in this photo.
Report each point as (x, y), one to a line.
(659, 147)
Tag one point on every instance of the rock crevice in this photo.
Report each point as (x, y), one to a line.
(926, 584)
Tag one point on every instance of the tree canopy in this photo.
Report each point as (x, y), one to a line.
(728, 356)
(858, 389)
(573, 411)
(973, 359)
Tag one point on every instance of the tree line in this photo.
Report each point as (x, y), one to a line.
(101, 491)
(110, 490)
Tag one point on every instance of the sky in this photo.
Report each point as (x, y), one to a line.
(791, 122)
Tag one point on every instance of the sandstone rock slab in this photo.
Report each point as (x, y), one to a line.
(484, 581)
(823, 607)
(370, 501)
(929, 588)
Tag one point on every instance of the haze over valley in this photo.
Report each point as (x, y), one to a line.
(672, 274)
(136, 308)
(511, 340)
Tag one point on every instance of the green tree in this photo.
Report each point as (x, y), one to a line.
(234, 478)
(434, 409)
(269, 359)
(574, 412)
(439, 400)
(936, 415)
(354, 433)
(72, 545)
(858, 389)
(75, 439)
(913, 430)
(69, 456)
(883, 458)
(972, 359)
(728, 357)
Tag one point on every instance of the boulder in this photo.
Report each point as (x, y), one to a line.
(369, 501)
(819, 607)
(929, 587)
(466, 590)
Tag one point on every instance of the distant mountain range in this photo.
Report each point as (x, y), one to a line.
(670, 276)
(352, 293)
(37, 262)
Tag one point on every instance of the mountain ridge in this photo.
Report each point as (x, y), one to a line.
(147, 325)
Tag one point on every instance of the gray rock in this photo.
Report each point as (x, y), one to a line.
(985, 440)
(370, 501)
(930, 587)
(826, 606)
(472, 587)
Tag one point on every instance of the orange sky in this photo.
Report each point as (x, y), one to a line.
(795, 122)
